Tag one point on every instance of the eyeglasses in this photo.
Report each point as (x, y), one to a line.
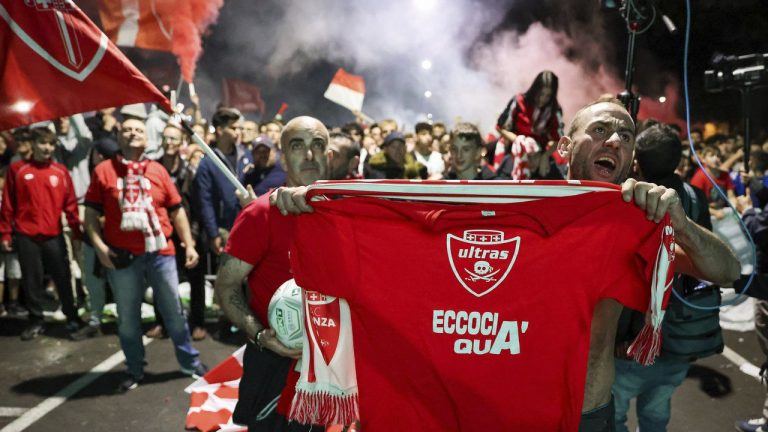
(171, 138)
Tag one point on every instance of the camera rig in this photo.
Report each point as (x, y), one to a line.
(743, 73)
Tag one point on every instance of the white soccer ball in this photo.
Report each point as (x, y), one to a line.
(286, 314)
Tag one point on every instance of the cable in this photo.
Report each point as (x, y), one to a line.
(631, 7)
(701, 166)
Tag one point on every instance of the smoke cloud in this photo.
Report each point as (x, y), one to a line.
(291, 49)
(189, 19)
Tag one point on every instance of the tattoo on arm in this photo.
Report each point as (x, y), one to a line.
(229, 281)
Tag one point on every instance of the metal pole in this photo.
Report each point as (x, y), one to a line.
(630, 62)
(745, 109)
(215, 158)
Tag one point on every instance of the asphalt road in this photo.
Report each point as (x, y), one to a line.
(715, 393)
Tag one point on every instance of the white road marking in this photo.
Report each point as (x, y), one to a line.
(12, 411)
(743, 364)
(34, 414)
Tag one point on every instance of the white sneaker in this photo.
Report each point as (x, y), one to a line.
(752, 425)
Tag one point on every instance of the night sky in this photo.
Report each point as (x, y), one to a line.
(240, 45)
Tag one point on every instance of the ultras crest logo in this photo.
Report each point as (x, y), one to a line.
(482, 259)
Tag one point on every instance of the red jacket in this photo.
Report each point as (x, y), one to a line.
(518, 118)
(34, 196)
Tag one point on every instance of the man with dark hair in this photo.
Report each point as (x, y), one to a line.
(695, 137)
(215, 195)
(467, 151)
(438, 131)
(756, 179)
(374, 131)
(355, 131)
(272, 129)
(657, 152)
(24, 139)
(711, 157)
(424, 153)
(36, 193)
(343, 156)
(250, 132)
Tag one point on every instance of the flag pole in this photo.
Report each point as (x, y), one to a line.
(205, 147)
(216, 161)
(178, 86)
(365, 117)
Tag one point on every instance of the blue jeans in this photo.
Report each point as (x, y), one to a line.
(652, 386)
(96, 286)
(128, 286)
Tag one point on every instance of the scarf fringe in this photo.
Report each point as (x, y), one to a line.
(134, 221)
(155, 243)
(322, 408)
(646, 346)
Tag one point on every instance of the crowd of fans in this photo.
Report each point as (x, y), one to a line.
(71, 185)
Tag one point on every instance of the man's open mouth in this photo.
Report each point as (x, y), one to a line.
(606, 163)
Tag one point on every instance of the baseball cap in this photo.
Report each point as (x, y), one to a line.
(263, 140)
(394, 136)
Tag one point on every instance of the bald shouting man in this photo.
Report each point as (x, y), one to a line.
(257, 249)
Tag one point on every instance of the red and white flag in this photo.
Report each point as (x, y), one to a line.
(347, 90)
(214, 396)
(49, 73)
(135, 23)
(241, 95)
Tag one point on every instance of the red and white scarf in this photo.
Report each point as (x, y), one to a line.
(521, 148)
(136, 205)
(326, 392)
(647, 345)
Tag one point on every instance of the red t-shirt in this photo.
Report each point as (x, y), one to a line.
(103, 194)
(475, 317)
(262, 237)
(701, 181)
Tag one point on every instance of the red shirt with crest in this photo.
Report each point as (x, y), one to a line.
(476, 316)
(34, 196)
(104, 195)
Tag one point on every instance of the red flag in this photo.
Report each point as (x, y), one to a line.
(134, 23)
(213, 397)
(347, 90)
(241, 95)
(283, 107)
(49, 74)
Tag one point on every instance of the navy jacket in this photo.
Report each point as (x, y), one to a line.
(215, 195)
(264, 180)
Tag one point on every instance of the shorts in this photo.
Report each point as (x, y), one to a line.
(600, 419)
(9, 264)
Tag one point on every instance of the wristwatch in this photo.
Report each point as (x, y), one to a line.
(257, 339)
